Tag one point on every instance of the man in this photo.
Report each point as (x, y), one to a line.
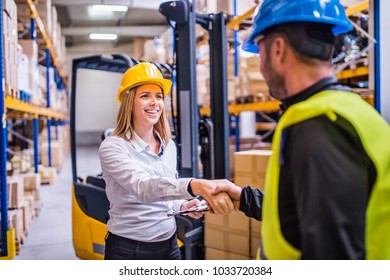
(327, 190)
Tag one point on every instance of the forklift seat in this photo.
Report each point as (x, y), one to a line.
(92, 200)
(96, 181)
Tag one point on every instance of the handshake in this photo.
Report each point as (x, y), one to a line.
(222, 196)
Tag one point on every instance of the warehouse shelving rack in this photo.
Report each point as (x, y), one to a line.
(274, 105)
(269, 106)
(361, 70)
(8, 249)
(265, 107)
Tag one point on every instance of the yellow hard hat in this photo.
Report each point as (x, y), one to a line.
(140, 74)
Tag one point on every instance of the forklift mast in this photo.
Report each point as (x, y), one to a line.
(216, 159)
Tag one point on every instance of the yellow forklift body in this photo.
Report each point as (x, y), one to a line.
(88, 233)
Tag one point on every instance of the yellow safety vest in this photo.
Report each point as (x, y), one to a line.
(374, 133)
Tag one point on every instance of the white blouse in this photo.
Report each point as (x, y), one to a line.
(141, 188)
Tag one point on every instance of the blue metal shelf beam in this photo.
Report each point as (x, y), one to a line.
(3, 150)
(48, 103)
(35, 136)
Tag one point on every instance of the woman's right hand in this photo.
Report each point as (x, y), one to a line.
(219, 203)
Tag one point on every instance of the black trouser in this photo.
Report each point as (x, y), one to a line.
(120, 248)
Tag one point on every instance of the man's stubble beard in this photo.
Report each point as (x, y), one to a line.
(275, 82)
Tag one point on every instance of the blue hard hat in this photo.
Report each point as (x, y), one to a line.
(275, 12)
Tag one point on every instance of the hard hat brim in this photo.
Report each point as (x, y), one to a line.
(250, 46)
(164, 84)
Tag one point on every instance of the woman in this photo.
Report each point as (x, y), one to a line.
(139, 167)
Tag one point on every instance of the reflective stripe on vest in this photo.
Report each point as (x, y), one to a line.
(374, 133)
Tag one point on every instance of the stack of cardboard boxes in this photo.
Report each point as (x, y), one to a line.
(32, 90)
(251, 167)
(10, 39)
(227, 237)
(28, 72)
(24, 203)
(24, 195)
(59, 145)
(236, 236)
(253, 87)
(48, 14)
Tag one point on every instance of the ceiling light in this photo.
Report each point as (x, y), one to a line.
(101, 36)
(110, 8)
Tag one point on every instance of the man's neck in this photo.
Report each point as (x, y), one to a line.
(302, 77)
(327, 83)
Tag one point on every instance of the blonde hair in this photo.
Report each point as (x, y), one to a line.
(124, 119)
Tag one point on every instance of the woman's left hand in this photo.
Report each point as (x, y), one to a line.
(191, 203)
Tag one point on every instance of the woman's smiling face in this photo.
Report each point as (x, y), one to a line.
(148, 105)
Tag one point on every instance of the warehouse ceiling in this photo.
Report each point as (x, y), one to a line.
(142, 19)
(78, 19)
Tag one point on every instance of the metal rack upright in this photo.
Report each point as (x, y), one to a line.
(7, 248)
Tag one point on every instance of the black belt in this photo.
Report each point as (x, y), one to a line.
(143, 244)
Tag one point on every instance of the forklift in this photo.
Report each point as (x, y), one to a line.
(89, 202)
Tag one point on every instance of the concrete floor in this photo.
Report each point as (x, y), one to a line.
(50, 234)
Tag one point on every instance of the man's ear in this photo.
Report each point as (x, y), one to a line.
(279, 51)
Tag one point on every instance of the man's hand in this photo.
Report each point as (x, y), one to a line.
(220, 203)
(233, 191)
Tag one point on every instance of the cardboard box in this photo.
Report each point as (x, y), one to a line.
(8, 7)
(246, 180)
(30, 47)
(25, 207)
(15, 191)
(250, 168)
(252, 161)
(57, 152)
(44, 11)
(251, 64)
(32, 181)
(255, 237)
(7, 55)
(48, 175)
(232, 150)
(256, 83)
(232, 89)
(28, 155)
(29, 197)
(32, 187)
(215, 254)
(20, 162)
(23, 73)
(228, 233)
